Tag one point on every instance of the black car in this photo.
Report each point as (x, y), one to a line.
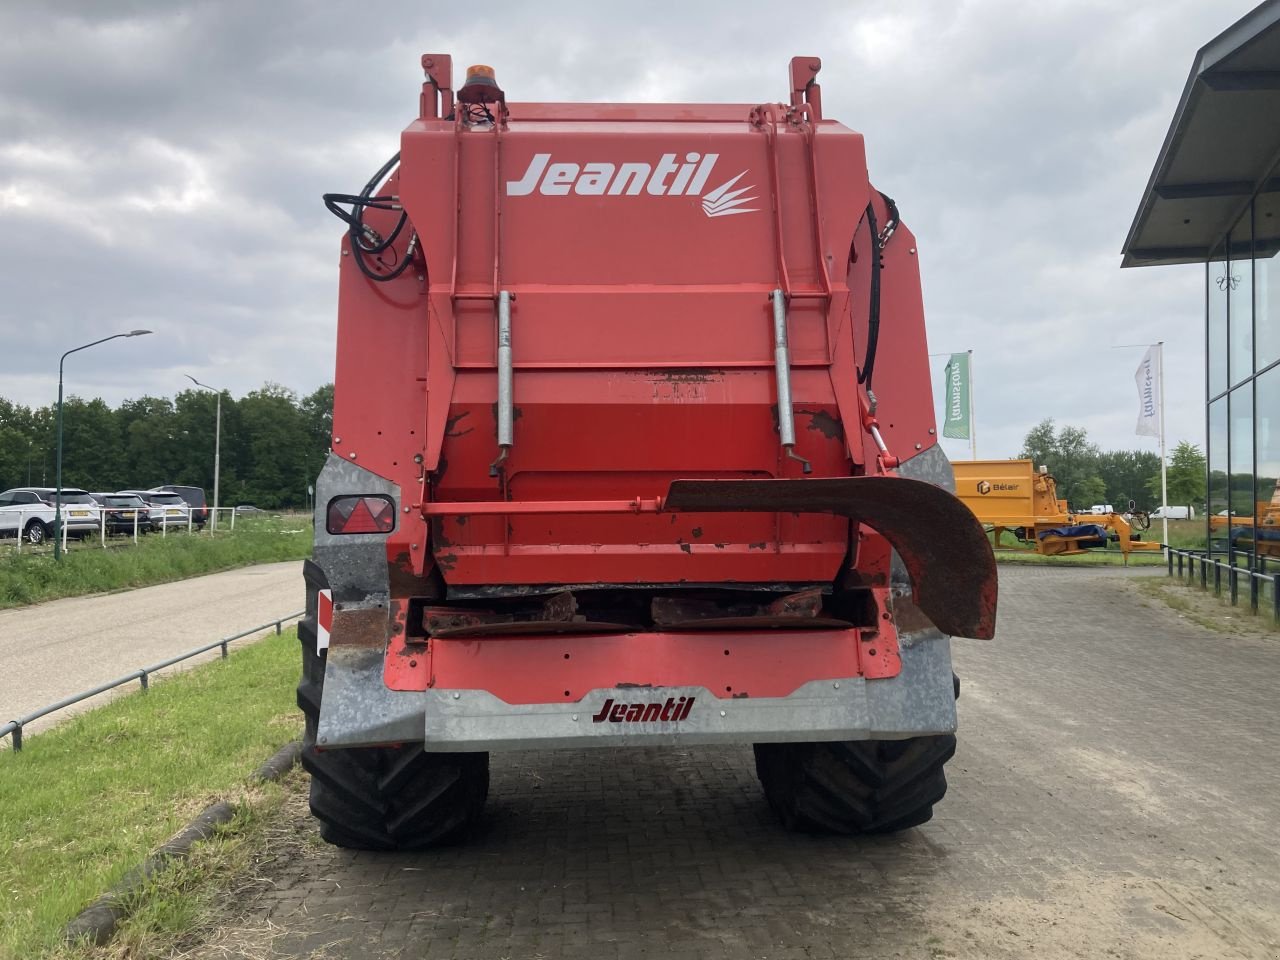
(195, 498)
(120, 512)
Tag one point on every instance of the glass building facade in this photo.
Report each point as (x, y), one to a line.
(1242, 348)
(1213, 198)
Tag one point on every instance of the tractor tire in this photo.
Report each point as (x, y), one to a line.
(35, 533)
(381, 798)
(856, 786)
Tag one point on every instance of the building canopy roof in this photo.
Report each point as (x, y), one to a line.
(1222, 148)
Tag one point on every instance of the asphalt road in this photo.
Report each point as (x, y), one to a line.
(52, 650)
(1115, 795)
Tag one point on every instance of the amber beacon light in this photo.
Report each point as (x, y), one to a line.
(481, 86)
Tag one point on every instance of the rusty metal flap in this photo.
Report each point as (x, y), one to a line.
(946, 552)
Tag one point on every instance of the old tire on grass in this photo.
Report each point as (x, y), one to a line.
(381, 798)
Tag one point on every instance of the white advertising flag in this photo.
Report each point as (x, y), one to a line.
(1148, 380)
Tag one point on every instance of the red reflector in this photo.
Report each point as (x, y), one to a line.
(361, 515)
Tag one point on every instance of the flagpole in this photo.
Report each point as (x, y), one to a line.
(1164, 475)
(973, 423)
(1164, 469)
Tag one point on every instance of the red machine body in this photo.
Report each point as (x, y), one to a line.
(641, 251)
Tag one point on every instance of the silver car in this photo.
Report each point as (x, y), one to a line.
(164, 509)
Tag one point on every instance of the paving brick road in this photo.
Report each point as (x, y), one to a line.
(1116, 794)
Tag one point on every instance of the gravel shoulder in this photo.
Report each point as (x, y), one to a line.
(56, 649)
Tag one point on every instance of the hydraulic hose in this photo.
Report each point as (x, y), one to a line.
(360, 234)
(873, 307)
(878, 241)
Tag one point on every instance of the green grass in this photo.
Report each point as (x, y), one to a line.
(85, 802)
(1183, 534)
(32, 577)
(1111, 557)
(1204, 607)
(180, 904)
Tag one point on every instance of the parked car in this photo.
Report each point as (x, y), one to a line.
(30, 512)
(194, 497)
(23, 513)
(165, 509)
(119, 511)
(1174, 513)
(249, 510)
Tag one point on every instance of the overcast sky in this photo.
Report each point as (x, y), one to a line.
(161, 166)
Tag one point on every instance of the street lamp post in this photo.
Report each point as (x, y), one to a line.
(57, 507)
(217, 447)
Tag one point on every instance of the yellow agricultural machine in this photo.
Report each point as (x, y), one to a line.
(1013, 496)
(1244, 532)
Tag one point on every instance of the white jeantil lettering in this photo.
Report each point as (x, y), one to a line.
(667, 178)
(666, 166)
(525, 185)
(559, 178)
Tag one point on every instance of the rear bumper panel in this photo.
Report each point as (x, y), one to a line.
(359, 710)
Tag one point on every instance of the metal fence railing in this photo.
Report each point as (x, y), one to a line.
(14, 527)
(1187, 563)
(142, 675)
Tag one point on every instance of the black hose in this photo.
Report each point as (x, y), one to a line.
(366, 195)
(873, 308)
(360, 234)
(878, 241)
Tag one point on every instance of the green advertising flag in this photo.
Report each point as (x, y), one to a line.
(955, 422)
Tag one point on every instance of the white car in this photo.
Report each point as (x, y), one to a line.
(164, 509)
(29, 511)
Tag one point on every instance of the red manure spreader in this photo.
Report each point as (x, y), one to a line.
(633, 445)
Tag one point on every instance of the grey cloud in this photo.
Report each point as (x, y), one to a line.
(161, 164)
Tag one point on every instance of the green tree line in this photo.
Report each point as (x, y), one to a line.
(273, 443)
(1087, 475)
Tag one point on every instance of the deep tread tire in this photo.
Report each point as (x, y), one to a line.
(855, 786)
(381, 798)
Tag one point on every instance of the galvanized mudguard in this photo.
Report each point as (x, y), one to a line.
(944, 548)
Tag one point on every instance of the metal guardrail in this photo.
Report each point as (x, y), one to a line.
(185, 522)
(142, 675)
(1191, 561)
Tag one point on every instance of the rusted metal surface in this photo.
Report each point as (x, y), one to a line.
(560, 606)
(670, 610)
(800, 609)
(365, 627)
(558, 614)
(439, 619)
(762, 622)
(806, 603)
(529, 628)
(952, 568)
